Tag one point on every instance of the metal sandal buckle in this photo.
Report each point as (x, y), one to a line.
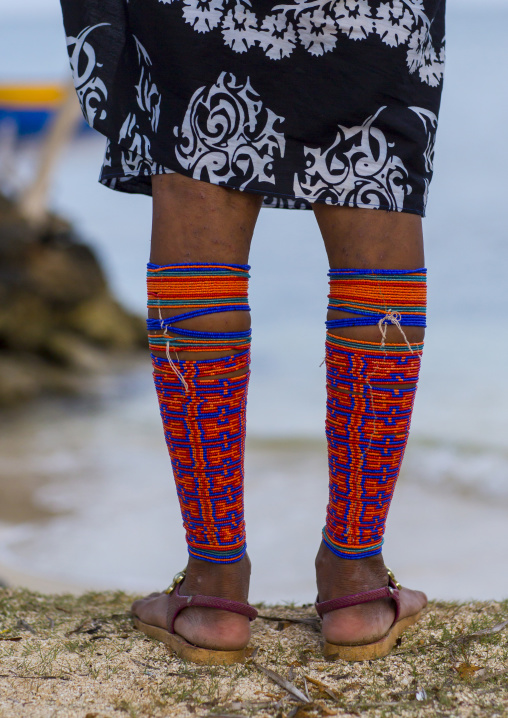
(178, 578)
(390, 574)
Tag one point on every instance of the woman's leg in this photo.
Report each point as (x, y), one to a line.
(375, 240)
(197, 222)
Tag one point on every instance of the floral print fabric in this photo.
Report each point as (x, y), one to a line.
(316, 25)
(306, 101)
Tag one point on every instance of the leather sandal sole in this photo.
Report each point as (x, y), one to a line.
(186, 650)
(370, 651)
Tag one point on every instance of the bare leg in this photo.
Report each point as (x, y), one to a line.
(200, 222)
(367, 239)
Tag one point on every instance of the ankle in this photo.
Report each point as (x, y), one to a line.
(340, 577)
(230, 580)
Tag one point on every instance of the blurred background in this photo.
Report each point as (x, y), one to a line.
(86, 493)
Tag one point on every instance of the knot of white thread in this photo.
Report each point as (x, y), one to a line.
(393, 318)
(168, 349)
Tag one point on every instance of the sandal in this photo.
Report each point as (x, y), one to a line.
(177, 643)
(380, 648)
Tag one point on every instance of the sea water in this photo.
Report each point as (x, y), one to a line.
(106, 459)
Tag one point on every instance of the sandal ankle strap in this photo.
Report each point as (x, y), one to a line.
(355, 599)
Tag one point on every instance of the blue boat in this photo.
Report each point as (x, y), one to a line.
(30, 106)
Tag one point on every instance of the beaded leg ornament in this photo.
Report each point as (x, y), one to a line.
(370, 393)
(203, 412)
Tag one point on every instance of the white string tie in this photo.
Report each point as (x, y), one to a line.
(168, 349)
(392, 318)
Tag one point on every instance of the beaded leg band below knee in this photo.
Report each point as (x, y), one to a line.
(370, 394)
(203, 411)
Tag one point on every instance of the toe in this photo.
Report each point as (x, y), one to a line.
(411, 602)
(140, 605)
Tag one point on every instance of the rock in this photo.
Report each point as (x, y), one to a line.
(17, 382)
(70, 350)
(102, 321)
(24, 377)
(64, 274)
(58, 319)
(15, 236)
(26, 321)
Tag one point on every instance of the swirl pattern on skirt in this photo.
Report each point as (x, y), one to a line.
(227, 132)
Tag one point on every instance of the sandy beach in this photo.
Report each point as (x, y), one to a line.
(71, 657)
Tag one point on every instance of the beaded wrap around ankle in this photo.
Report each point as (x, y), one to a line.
(370, 394)
(203, 411)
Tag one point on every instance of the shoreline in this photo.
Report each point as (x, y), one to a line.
(11, 578)
(70, 477)
(427, 545)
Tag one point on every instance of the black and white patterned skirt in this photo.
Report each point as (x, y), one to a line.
(301, 101)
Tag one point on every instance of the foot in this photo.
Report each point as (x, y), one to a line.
(368, 622)
(205, 627)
